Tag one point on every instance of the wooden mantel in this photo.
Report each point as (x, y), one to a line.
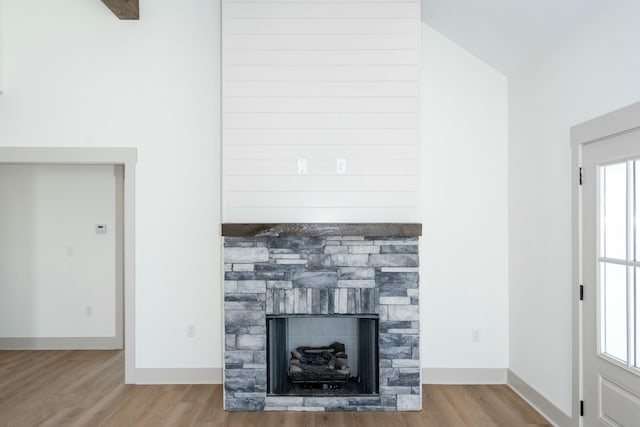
(124, 9)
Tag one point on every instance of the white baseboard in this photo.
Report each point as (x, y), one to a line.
(464, 375)
(552, 413)
(178, 375)
(60, 343)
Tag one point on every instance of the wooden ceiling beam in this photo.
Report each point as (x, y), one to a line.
(124, 9)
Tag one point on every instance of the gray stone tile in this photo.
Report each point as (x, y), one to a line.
(397, 280)
(364, 249)
(357, 242)
(260, 357)
(289, 298)
(250, 395)
(396, 241)
(403, 312)
(244, 318)
(324, 301)
(406, 380)
(395, 352)
(250, 342)
(399, 249)
(241, 297)
(404, 331)
(364, 401)
(305, 408)
(243, 267)
(330, 250)
(315, 301)
(244, 305)
(239, 404)
(235, 329)
(326, 401)
(230, 286)
(351, 300)
(313, 279)
(238, 356)
(279, 284)
(229, 342)
(394, 300)
(245, 255)
(246, 373)
(331, 301)
(269, 302)
(251, 286)
(350, 260)
(388, 401)
(284, 401)
(356, 273)
(300, 301)
(409, 402)
(405, 363)
(297, 244)
(319, 260)
(394, 260)
(385, 390)
(356, 283)
(385, 326)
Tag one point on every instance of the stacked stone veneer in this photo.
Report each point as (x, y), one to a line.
(321, 276)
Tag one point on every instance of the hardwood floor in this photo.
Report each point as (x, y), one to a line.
(85, 388)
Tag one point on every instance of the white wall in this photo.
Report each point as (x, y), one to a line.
(57, 276)
(464, 203)
(77, 76)
(321, 81)
(1, 49)
(592, 71)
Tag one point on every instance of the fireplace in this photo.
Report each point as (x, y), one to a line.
(287, 286)
(322, 355)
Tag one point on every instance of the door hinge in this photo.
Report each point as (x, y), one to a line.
(581, 292)
(580, 175)
(582, 408)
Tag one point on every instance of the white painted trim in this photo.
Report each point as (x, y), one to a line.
(616, 122)
(179, 376)
(464, 375)
(99, 156)
(619, 121)
(537, 400)
(60, 343)
(1, 49)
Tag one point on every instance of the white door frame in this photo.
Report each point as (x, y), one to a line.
(125, 157)
(614, 123)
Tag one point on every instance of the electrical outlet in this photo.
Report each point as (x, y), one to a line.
(191, 331)
(475, 335)
(341, 166)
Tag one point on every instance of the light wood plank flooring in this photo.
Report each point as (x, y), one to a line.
(85, 388)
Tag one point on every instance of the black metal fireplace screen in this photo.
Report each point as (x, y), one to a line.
(321, 367)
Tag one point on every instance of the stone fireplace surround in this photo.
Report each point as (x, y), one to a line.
(321, 269)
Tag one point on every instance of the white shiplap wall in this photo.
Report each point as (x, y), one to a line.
(320, 80)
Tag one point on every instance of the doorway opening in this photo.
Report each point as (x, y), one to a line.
(123, 159)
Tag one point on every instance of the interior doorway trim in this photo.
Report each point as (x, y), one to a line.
(126, 158)
(617, 122)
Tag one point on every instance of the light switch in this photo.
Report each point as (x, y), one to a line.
(101, 228)
(302, 166)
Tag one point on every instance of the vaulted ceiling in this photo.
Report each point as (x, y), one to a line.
(506, 34)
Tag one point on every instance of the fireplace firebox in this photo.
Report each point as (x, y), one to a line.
(322, 355)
